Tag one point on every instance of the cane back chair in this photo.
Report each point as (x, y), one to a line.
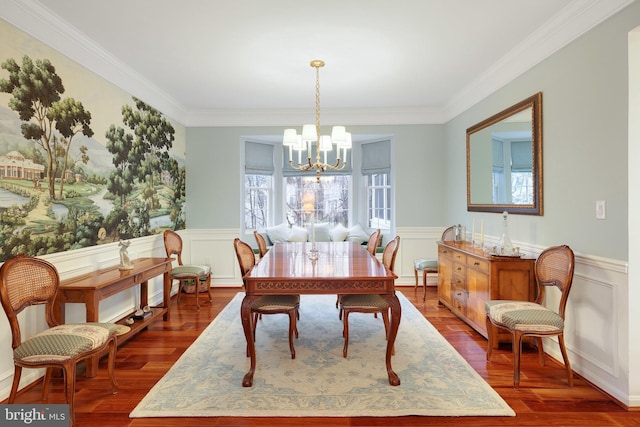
(554, 267)
(268, 304)
(26, 281)
(192, 278)
(368, 303)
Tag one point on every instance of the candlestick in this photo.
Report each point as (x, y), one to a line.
(473, 232)
(482, 233)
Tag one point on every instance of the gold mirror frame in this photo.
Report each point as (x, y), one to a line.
(535, 208)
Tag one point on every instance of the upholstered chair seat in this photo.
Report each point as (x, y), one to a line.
(66, 341)
(524, 315)
(185, 274)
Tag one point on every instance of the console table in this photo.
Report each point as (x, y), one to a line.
(89, 289)
(468, 276)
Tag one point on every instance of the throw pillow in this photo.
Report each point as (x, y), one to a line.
(278, 233)
(357, 234)
(321, 231)
(339, 233)
(298, 234)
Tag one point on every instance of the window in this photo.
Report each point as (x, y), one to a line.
(329, 199)
(378, 201)
(258, 190)
(376, 169)
(512, 171)
(272, 195)
(258, 185)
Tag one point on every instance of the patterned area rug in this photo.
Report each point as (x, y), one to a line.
(207, 380)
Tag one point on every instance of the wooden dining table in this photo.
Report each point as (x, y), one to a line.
(337, 268)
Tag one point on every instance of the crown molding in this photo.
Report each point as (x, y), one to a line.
(574, 20)
(39, 22)
(287, 117)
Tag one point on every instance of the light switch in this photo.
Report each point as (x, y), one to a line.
(601, 209)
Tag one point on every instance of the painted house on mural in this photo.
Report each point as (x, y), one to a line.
(15, 166)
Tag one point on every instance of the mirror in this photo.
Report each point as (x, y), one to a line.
(504, 160)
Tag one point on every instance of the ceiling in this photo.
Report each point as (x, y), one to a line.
(246, 62)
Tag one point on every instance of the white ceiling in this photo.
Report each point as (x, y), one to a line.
(246, 62)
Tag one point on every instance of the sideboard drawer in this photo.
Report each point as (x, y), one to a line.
(478, 264)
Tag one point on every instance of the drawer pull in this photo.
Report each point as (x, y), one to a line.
(476, 263)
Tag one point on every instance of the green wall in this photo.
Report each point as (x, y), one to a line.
(585, 103)
(214, 165)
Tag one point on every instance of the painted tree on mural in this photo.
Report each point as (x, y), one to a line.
(153, 138)
(121, 178)
(36, 91)
(141, 156)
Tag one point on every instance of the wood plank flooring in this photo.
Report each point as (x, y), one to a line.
(544, 399)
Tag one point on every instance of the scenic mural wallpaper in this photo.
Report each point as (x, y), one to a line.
(82, 162)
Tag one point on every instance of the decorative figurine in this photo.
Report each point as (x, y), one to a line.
(125, 262)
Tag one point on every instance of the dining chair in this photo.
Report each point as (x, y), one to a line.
(192, 278)
(554, 267)
(372, 245)
(26, 281)
(268, 304)
(369, 303)
(430, 265)
(262, 244)
(374, 242)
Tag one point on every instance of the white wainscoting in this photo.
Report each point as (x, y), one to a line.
(597, 317)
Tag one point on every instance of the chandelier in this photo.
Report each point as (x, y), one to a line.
(313, 143)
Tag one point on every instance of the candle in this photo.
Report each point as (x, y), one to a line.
(473, 231)
(482, 233)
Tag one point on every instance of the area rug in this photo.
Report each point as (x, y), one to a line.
(207, 380)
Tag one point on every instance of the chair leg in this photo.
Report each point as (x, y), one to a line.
(209, 288)
(345, 332)
(112, 365)
(490, 337)
(180, 284)
(424, 283)
(540, 350)
(292, 328)
(517, 350)
(69, 373)
(16, 382)
(567, 365)
(46, 383)
(415, 273)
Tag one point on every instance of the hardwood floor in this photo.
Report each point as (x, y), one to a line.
(544, 399)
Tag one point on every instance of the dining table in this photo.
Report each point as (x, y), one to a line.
(297, 268)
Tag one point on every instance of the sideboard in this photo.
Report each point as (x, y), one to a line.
(469, 276)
